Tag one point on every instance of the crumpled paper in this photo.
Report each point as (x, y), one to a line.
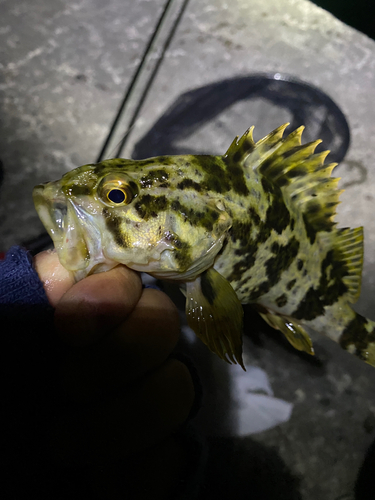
(245, 403)
(257, 409)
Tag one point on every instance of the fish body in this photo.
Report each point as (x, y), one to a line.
(253, 226)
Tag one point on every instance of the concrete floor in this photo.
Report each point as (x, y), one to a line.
(65, 68)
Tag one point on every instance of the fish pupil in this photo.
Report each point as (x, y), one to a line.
(116, 196)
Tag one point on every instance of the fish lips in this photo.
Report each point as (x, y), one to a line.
(59, 216)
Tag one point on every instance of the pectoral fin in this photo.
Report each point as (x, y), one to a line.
(215, 314)
(293, 332)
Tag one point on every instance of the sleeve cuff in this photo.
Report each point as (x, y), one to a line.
(19, 282)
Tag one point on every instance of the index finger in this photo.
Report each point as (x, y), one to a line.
(95, 305)
(139, 344)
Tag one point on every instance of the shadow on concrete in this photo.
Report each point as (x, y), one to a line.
(244, 469)
(306, 104)
(365, 484)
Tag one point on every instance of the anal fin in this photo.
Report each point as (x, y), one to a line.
(293, 332)
(215, 314)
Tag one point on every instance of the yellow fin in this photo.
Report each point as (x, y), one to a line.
(215, 314)
(293, 332)
(348, 248)
(240, 149)
(301, 173)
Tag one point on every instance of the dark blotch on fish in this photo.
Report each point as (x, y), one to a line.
(315, 299)
(182, 248)
(207, 289)
(150, 206)
(164, 160)
(240, 267)
(282, 261)
(237, 179)
(282, 181)
(356, 334)
(291, 284)
(314, 207)
(298, 171)
(282, 300)
(275, 247)
(240, 230)
(195, 218)
(215, 178)
(113, 224)
(254, 216)
(189, 184)
(275, 266)
(277, 216)
(154, 177)
(318, 224)
(261, 289)
(268, 186)
(237, 156)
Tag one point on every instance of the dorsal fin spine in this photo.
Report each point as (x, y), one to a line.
(241, 147)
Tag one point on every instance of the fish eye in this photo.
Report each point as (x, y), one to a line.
(117, 190)
(116, 196)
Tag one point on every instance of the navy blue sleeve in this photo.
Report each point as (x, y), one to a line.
(19, 282)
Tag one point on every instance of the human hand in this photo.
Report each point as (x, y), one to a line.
(129, 397)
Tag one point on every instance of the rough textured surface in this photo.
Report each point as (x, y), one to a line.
(64, 70)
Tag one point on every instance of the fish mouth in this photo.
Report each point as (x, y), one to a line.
(60, 219)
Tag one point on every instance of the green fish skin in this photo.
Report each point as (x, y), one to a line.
(254, 226)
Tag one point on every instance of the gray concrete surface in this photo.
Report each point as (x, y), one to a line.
(64, 69)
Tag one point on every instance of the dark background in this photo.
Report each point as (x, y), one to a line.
(357, 13)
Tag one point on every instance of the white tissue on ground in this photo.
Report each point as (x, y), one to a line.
(257, 409)
(238, 403)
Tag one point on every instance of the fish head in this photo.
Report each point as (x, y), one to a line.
(133, 212)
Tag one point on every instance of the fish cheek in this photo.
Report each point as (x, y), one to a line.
(113, 224)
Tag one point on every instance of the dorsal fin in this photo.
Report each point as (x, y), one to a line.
(240, 149)
(347, 246)
(301, 174)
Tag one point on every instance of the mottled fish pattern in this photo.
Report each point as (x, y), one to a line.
(252, 226)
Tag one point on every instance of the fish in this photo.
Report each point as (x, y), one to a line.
(252, 226)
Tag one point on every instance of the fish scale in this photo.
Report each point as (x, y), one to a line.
(252, 226)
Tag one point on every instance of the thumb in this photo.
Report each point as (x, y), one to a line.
(55, 278)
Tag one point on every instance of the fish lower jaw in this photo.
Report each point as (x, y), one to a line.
(158, 260)
(94, 268)
(149, 266)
